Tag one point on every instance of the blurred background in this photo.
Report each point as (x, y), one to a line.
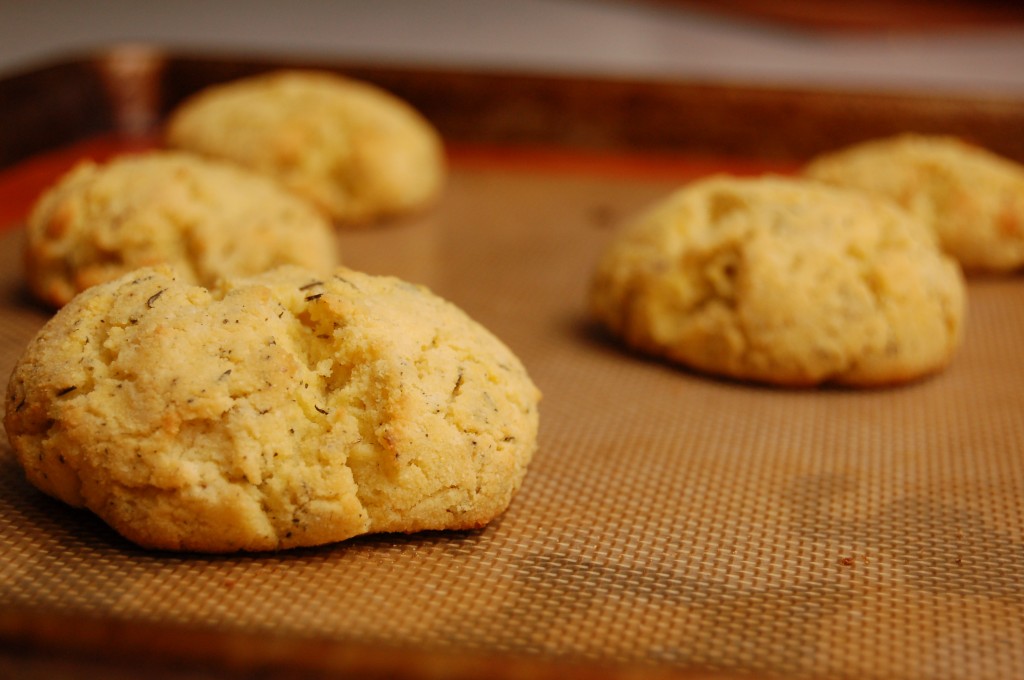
(909, 45)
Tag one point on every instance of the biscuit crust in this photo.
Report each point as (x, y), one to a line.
(207, 219)
(782, 281)
(288, 409)
(355, 150)
(972, 198)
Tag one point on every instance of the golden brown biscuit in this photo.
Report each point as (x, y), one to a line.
(205, 218)
(784, 282)
(288, 409)
(972, 198)
(355, 150)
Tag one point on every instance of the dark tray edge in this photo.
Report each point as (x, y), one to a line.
(129, 89)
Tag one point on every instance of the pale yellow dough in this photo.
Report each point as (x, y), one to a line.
(207, 219)
(357, 151)
(782, 281)
(293, 408)
(972, 198)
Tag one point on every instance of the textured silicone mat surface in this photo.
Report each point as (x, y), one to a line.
(668, 519)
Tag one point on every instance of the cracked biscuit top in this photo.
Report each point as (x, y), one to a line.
(205, 218)
(972, 198)
(357, 151)
(782, 281)
(289, 409)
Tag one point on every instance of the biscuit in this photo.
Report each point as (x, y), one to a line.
(355, 150)
(972, 198)
(205, 218)
(287, 409)
(784, 282)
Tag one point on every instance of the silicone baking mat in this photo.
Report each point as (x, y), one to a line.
(669, 521)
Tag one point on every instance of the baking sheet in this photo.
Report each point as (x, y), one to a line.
(670, 523)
